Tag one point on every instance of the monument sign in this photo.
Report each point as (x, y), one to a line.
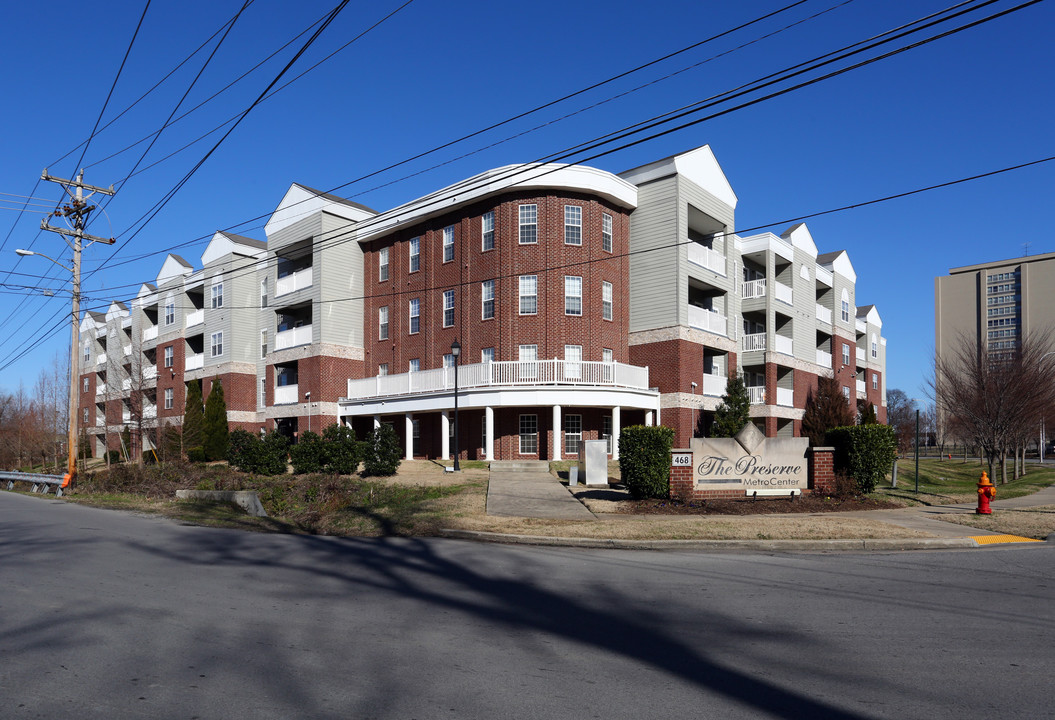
(750, 461)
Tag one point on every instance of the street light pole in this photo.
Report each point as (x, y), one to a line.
(456, 351)
(917, 450)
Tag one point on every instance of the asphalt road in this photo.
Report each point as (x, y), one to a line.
(108, 615)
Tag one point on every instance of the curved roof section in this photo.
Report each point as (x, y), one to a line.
(529, 176)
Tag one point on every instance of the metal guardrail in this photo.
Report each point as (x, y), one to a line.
(38, 480)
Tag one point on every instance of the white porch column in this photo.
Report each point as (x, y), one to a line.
(616, 427)
(648, 418)
(377, 421)
(408, 436)
(556, 433)
(445, 435)
(489, 419)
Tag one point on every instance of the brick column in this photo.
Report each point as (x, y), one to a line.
(822, 470)
(681, 486)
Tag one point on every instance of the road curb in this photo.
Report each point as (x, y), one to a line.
(849, 545)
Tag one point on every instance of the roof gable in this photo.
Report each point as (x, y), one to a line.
(299, 202)
(173, 267)
(227, 244)
(699, 165)
(799, 236)
(838, 262)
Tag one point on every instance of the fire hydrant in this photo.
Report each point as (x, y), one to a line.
(986, 492)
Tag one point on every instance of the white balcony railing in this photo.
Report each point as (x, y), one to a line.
(150, 372)
(286, 394)
(824, 358)
(708, 320)
(151, 333)
(861, 326)
(783, 293)
(756, 341)
(860, 356)
(714, 385)
(126, 384)
(126, 350)
(501, 374)
(293, 337)
(195, 318)
(784, 345)
(785, 397)
(126, 415)
(100, 359)
(754, 289)
(706, 257)
(150, 412)
(100, 389)
(293, 282)
(194, 362)
(861, 387)
(757, 395)
(824, 314)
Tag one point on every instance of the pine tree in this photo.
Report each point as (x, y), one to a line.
(217, 434)
(734, 411)
(193, 419)
(867, 411)
(826, 408)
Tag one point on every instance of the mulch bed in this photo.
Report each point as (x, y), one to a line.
(768, 506)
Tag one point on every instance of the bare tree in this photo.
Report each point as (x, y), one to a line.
(998, 399)
(900, 415)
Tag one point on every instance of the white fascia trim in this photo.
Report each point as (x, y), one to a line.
(824, 276)
(552, 176)
(800, 236)
(501, 398)
(170, 269)
(699, 166)
(299, 203)
(767, 242)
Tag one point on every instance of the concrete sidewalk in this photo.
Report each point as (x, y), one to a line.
(532, 494)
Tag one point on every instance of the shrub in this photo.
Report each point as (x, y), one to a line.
(263, 456)
(193, 417)
(343, 451)
(865, 452)
(308, 455)
(644, 460)
(241, 448)
(196, 454)
(274, 450)
(114, 456)
(215, 433)
(382, 453)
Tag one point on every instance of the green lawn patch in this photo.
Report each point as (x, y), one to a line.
(945, 482)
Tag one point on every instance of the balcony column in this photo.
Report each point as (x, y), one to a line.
(489, 422)
(648, 418)
(445, 435)
(408, 435)
(377, 421)
(555, 454)
(616, 425)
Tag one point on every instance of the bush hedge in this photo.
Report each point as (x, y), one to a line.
(644, 460)
(308, 455)
(343, 451)
(251, 454)
(381, 453)
(864, 452)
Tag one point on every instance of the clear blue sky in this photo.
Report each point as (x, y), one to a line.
(435, 71)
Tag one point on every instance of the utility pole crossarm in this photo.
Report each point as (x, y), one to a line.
(75, 233)
(76, 183)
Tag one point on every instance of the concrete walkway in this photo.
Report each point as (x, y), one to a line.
(533, 494)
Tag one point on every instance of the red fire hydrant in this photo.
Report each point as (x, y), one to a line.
(986, 492)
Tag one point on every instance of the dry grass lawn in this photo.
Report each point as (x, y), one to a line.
(1038, 522)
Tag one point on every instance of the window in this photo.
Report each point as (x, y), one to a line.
(606, 300)
(875, 346)
(216, 296)
(448, 243)
(572, 433)
(263, 344)
(845, 313)
(606, 431)
(846, 354)
(216, 344)
(529, 434)
(85, 385)
(170, 312)
(487, 355)
(414, 365)
(606, 232)
(572, 295)
(528, 294)
(169, 352)
(382, 259)
(262, 402)
(382, 323)
(415, 254)
(573, 361)
(875, 381)
(382, 369)
(846, 391)
(607, 355)
(487, 230)
(572, 225)
(415, 311)
(85, 416)
(87, 353)
(448, 308)
(487, 299)
(263, 293)
(448, 360)
(528, 361)
(168, 398)
(528, 224)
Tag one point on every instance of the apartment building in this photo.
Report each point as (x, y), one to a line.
(572, 301)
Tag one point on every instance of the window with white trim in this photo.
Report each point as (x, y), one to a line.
(169, 353)
(607, 355)
(85, 387)
(168, 398)
(414, 365)
(170, 312)
(263, 344)
(216, 344)
(606, 300)
(487, 355)
(875, 346)
(573, 361)
(487, 299)
(263, 293)
(448, 243)
(572, 434)
(448, 360)
(846, 391)
(528, 361)
(448, 308)
(572, 225)
(262, 400)
(528, 224)
(875, 381)
(382, 323)
(85, 416)
(606, 232)
(529, 434)
(487, 231)
(845, 304)
(528, 294)
(87, 352)
(382, 264)
(572, 295)
(415, 254)
(846, 354)
(216, 295)
(415, 316)
(382, 369)
(606, 431)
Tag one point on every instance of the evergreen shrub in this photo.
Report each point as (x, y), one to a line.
(864, 452)
(644, 460)
(382, 453)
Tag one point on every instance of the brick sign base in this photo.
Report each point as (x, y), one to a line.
(821, 471)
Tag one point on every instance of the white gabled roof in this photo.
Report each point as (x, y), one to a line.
(116, 310)
(173, 267)
(301, 201)
(870, 315)
(699, 165)
(838, 262)
(799, 235)
(227, 244)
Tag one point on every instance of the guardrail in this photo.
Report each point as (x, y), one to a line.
(38, 479)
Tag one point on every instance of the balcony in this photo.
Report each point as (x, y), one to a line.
(860, 387)
(783, 293)
(126, 350)
(785, 397)
(714, 385)
(860, 356)
(757, 341)
(293, 337)
(861, 325)
(753, 289)
(195, 318)
(757, 395)
(784, 345)
(703, 319)
(151, 333)
(126, 415)
(100, 359)
(503, 374)
(150, 412)
(286, 394)
(150, 372)
(100, 389)
(824, 314)
(126, 384)
(824, 358)
(293, 282)
(706, 257)
(194, 362)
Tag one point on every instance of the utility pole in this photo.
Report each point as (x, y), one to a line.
(76, 212)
